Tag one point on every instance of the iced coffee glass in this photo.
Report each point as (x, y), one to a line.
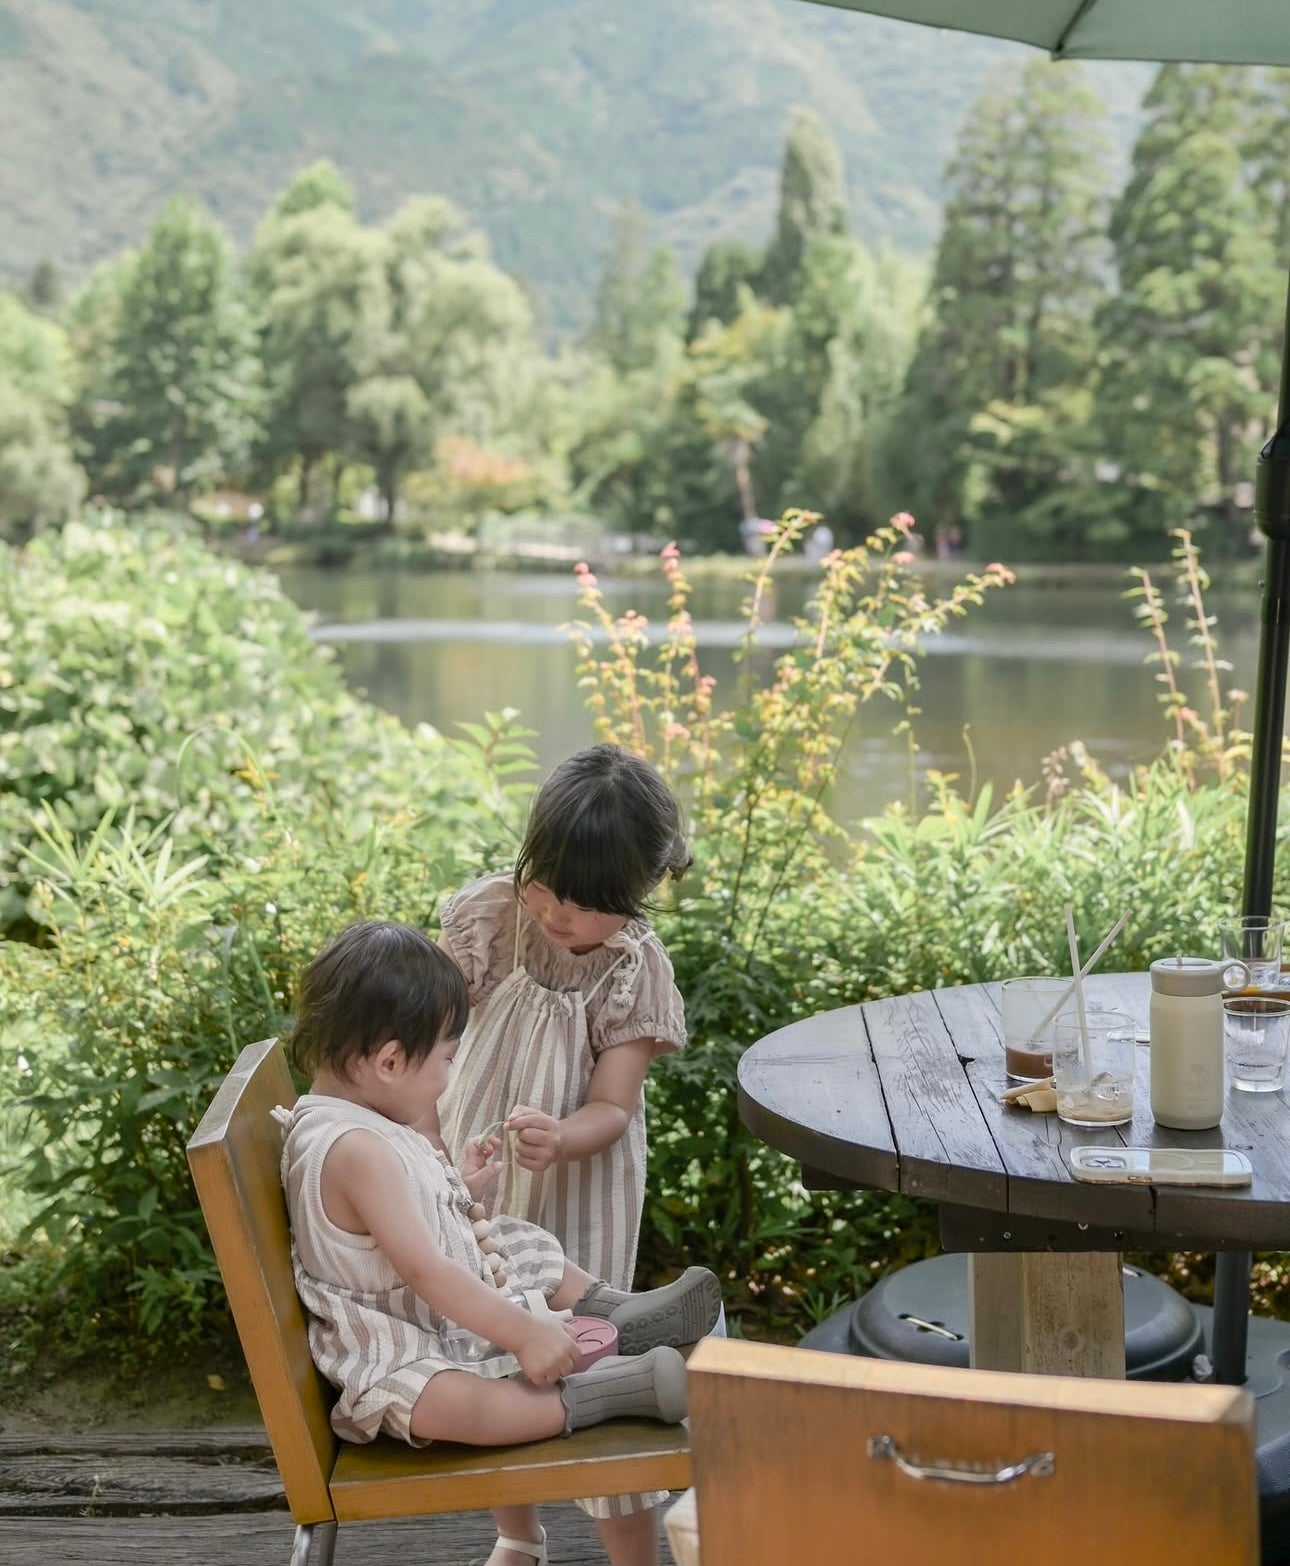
(1025, 1004)
(1094, 1082)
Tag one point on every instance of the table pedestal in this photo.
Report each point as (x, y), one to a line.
(1053, 1313)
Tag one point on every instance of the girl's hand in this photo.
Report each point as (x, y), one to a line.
(538, 1138)
(547, 1351)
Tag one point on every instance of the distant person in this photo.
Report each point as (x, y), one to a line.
(573, 1000)
(819, 542)
(391, 1244)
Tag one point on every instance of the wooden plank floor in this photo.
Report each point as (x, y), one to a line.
(211, 1498)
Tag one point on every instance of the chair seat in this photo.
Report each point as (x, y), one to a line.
(388, 1479)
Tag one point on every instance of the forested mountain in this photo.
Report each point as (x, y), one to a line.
(539, 117)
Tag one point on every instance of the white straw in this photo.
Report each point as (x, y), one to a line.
(1079, 994)
(1084, 973)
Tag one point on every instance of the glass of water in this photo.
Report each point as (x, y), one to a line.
(1095, 1085)
(1257, 941)
(1256, 1031)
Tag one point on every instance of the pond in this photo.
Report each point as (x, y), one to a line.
(1040, 664)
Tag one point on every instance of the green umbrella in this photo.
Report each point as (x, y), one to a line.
(1223, 32)
(1216, 32)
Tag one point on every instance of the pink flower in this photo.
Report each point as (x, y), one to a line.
(669, 554)
(903, 521)
(903, 556)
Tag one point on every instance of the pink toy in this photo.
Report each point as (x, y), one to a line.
(596, 1338)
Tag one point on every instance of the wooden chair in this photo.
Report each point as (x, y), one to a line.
(234, 1157)
(806, 1456)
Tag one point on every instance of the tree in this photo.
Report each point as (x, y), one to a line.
(452, 349)
(1189, 362)
(640, 300)
(840, 365)
(44, 291)
(726, 275)
(180, 388)
(40, 482)
(320, 185)
(320, 291)
(1018, 275)
(812, 205)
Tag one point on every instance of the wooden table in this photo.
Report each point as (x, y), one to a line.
(903, 1095)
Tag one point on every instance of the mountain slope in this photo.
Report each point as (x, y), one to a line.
(537, 116)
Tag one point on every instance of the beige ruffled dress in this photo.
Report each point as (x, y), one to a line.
(541, 1017)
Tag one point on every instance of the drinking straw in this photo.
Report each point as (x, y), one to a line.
(1079, 994)
(1084, 973)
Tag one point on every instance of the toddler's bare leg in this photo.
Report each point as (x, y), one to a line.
(456, 1406)
(517, 1522)
(573, 1286)
(630, 1540)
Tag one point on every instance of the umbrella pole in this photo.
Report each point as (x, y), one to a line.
(1272, 512)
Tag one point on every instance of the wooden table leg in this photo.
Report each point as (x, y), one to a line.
(1053, 1313)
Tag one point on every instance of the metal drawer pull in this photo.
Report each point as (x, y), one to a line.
(1039, 1465)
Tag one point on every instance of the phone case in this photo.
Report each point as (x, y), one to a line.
(1160, 1166)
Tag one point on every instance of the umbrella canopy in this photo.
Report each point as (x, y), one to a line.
(1216, 32)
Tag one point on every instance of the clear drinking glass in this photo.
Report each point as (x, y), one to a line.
(1258, 942)
(1024, 1004)
(1256, 1033)
(1097, 1089)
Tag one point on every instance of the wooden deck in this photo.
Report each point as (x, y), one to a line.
(210, 1498)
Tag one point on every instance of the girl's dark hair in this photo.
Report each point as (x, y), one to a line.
(373, 983)
(603, 832)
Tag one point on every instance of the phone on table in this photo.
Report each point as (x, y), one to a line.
(1161, 1166)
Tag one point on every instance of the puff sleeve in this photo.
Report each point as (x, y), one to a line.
(643, 1002)
(475, 926)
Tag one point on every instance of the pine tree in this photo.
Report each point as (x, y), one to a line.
(1190, 341)
(728, 271)
(812, 205)
(1018, 274)
(44, 291)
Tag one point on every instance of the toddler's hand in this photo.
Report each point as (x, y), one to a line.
(482, 1181)
(548, 1350)
(478, 1151)
(537, 1138)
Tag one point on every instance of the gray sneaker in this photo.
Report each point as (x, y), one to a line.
(679, 1312)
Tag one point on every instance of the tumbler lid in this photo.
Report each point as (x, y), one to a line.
(1197, 975)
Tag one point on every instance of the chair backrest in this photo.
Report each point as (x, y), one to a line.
(795, 1457)
(234, 1156)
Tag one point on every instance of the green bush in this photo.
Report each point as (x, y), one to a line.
(139, 671)
(267, 807)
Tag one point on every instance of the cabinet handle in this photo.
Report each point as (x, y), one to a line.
(1039, 1465)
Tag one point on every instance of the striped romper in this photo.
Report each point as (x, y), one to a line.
(375, 1339)
(541, 1017)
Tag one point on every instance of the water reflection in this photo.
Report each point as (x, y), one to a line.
(1031, 670)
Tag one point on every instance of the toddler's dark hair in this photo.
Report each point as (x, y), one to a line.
(376, 982)
(603, 832)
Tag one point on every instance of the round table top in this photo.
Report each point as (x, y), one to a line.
(903, 1095)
